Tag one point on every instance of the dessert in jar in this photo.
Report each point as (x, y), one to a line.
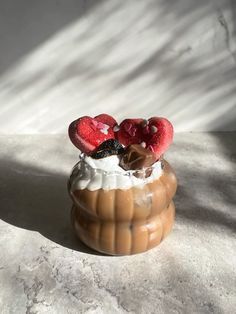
(122, 187)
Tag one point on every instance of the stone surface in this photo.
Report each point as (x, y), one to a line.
(44, 269)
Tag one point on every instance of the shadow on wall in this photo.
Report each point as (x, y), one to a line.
(233, 10)
(155, 57)
(25, 25)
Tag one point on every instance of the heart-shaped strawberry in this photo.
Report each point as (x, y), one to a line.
(155, 134)
(130, 131)
(106, 119)
(88, 133)
(160, 135)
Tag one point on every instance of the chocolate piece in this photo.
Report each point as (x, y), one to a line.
(137, 157)
(108, 148)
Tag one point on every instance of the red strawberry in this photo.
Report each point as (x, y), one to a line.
(88, 133)
(105, 118)
(130, 131)
(160, 135)
(155, 134)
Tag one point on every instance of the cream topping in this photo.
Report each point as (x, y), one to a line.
(105, 173)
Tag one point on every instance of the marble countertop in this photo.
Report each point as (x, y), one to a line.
(44, 269)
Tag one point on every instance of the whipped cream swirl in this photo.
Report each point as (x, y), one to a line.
(105, 173)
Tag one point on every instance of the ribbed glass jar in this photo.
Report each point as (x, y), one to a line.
(122, 221)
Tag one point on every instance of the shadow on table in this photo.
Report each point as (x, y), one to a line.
(37, 200)
(206, 195)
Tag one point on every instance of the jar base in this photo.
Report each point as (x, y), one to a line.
(122, 238)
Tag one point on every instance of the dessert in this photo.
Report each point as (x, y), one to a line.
(122, 188)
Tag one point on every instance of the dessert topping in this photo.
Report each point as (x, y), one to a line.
(160, 136)
(88, 133)
(106, 119)
(153, 129)
(144, 123)
(116, 128)
(108, 148)
(130, 132)
(157, 133)
(104, 129)
(135, 157)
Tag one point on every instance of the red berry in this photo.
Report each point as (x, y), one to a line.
(130, 132)
(155, 134)
(160, 135)
(88, 133)
(105, 118)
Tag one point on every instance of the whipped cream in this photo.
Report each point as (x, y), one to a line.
(105, 173)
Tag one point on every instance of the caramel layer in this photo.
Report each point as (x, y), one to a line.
(122, 238)
(121, 222)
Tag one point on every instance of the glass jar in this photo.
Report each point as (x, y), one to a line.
(129, 217)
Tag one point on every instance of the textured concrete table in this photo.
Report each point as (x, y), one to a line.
(43, 269)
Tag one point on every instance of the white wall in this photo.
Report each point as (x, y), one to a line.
(63, 59)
